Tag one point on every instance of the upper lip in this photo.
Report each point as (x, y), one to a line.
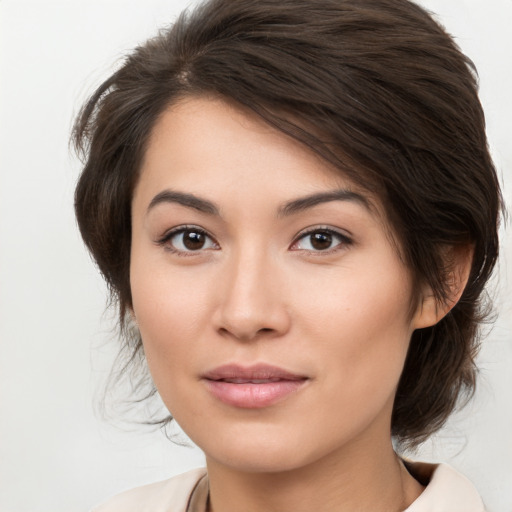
(259, 372)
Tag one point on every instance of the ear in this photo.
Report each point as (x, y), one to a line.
(458, 260)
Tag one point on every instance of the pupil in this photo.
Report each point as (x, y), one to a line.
(193, 240)
(321, 240)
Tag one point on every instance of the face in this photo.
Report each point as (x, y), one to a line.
(273, 307)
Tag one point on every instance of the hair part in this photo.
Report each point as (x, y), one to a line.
(378, 89)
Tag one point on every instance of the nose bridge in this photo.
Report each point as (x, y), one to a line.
(250, 272)
(252, 302)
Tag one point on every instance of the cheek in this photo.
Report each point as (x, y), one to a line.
(361, 321)
(170, 309)
(168, 323)
(357, 300)
(163, 296)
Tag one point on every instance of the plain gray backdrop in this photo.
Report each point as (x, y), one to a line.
(55, 341)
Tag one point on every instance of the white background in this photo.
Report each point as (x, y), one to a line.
(55, 455)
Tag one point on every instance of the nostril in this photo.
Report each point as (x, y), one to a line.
(246, 335)
(246, 320)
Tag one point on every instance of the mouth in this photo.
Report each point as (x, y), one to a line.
(252, 387)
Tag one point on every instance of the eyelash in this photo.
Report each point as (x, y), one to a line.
(169, 235)
(343, 240)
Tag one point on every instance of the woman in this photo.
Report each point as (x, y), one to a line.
(295, 205)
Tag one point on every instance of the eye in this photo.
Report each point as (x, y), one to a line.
(188, 239)
(320, 240)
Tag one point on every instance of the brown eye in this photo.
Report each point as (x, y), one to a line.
(319, 240)
(188, 240)
(193, 240)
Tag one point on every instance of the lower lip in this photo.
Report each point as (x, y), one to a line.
(253, 396)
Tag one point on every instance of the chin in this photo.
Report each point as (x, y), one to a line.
(264, 450)
(260, 460)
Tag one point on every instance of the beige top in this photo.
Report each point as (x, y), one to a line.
(446, 491)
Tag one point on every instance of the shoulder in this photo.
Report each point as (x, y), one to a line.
(447, 490)
(170, 495)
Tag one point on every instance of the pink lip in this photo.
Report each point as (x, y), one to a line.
(252, 387)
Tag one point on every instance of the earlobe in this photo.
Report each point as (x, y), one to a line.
(427, 313)
(458, 260)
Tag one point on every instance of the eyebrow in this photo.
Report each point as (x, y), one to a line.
(304, 203)
(292, 207)
(187, 200)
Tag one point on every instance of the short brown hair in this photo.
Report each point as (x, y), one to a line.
(377, 88)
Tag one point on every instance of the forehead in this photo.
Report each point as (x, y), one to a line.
(199, 133)
(214, 146)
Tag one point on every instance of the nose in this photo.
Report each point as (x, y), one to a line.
(252, 300)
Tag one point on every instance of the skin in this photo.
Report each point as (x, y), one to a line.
(259, 292)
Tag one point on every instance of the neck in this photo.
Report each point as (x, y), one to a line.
(345, 482)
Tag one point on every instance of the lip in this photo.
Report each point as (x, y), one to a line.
(252, 387)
